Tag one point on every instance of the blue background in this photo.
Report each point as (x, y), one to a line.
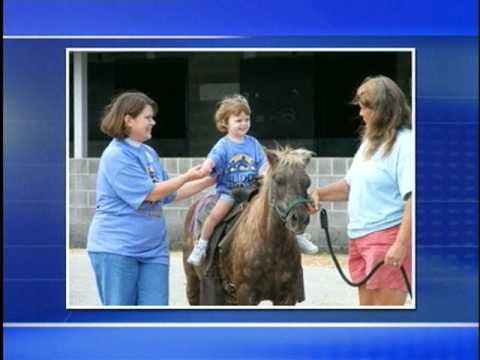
(229, 343)
(445, 36)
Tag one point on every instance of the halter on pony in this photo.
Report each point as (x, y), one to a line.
(283, 214)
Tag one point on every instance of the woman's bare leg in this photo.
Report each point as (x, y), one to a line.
(392, 297)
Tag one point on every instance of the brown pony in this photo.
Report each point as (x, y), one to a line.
(263, 261)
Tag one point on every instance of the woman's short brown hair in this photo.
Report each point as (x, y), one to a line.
(230, 105)
(128, 103)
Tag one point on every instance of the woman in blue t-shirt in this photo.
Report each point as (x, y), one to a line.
(127, 240)
(378, 188)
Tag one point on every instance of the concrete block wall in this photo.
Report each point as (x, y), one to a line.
(82, 174)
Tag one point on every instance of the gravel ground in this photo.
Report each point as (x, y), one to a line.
(323, 285)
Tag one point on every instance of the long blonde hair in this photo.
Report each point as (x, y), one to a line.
(391, 113)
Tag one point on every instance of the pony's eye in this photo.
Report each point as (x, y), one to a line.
(307, 182)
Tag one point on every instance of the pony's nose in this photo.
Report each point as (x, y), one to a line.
(304, 219)
(299, 219)
(294, 219)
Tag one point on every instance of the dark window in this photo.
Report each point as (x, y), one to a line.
(280, 91)
(337, 77)
(300, 99)
(164, 80)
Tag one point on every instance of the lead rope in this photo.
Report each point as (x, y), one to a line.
(324, 224)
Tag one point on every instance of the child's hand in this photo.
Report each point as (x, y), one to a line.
(195, 173)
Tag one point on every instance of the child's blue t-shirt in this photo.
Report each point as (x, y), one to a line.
(237, 164)
(379, 186)
(124, 223)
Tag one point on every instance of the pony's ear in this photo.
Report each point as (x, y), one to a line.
(272, 157)
(304, 155)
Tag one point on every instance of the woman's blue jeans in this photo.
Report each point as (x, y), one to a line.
(124, 280)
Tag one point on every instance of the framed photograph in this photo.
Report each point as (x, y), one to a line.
(299, 98)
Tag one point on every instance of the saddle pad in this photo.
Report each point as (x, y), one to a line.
(220, 233)
(206, 203)
(202, 210)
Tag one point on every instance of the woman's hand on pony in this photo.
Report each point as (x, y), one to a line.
(315, 205)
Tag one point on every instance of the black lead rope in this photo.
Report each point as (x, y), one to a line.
(324, 224)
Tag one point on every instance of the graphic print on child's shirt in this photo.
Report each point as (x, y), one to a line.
(240, 171)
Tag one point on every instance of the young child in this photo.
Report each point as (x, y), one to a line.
(236, 159)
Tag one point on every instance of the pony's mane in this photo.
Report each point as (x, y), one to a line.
(286, 156)
(289, 157)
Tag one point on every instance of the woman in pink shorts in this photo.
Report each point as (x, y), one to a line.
(378, 188)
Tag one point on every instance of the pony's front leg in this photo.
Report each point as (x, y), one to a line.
(246, 296)
(288, 300)
(286, 297)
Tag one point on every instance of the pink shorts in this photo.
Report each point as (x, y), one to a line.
(367, 251)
